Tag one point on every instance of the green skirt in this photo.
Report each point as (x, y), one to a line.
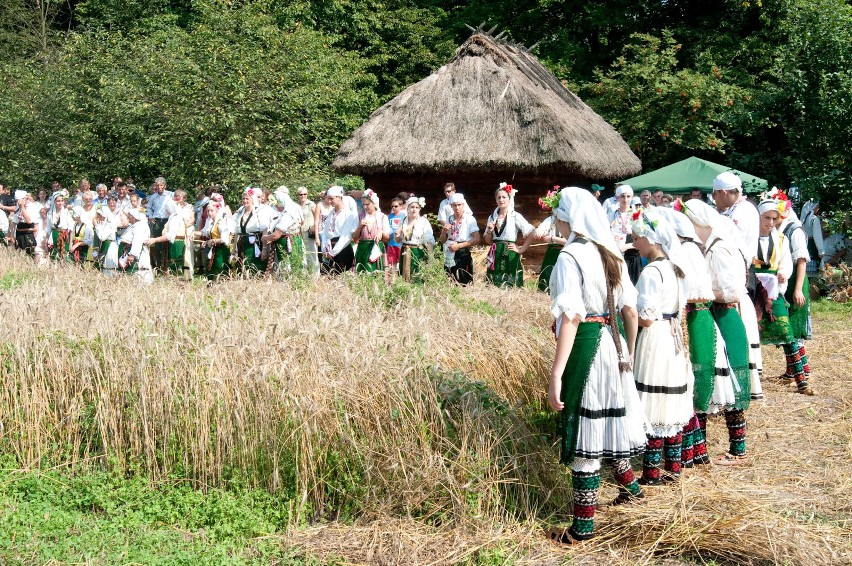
(362, 257)
(550, 257)
(702, 354)
(290, 252)
(123, 248)
(251, 265)
(176, 250)
(574, 379)
(59, 251)
(219, 263)
(800, 317)
(507, 270)
(410, 261)
(736, 343)
(775, 332)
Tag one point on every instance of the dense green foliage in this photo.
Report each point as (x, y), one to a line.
(265, 90)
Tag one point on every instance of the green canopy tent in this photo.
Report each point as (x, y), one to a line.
(691, 173)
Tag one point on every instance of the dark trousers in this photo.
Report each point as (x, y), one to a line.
(158, 251)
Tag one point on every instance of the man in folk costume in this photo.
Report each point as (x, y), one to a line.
(591, 384)
(459, 234)
(798, 297)
(445, 209)
(732, 203)
(619, 221)
(336, 242)
(284, 236)
(133, 255)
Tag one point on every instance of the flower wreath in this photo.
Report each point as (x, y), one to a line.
(551, 200)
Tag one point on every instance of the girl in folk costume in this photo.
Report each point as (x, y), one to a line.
(501, 233)
(216, 242)
(458, 235)
(133, 255)
(285, 234)
(250, 223)
(547, 232)
(336, 243)
(106, 224)
(59, 224)
(728, 276)
(371, 235)
(798, 298)
(713, 386)
(417, 238)
(591, 384)
(81, 237)
(662, 372)
(773, 266)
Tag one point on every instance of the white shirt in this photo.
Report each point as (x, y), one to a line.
(747, 220)
(697, 282)
(513, 223)
(813, 230)
(727, 269)
(289, 220)
(339, 225)
(256, 221)
(610, 205)
(4, 221)
(460, 231)
(659, 290)
(418, 233)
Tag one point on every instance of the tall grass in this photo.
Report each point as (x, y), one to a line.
(348, 396)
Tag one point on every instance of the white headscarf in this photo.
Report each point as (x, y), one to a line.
(656, 227)
(623, 189)
(371, 194)
(415, 200)
(137, 213)
(682, 225)
(457, 197)
(335, 191)
(582, 211)
(767, 204)
(702, 214)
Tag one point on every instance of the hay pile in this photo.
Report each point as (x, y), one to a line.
(412, 414)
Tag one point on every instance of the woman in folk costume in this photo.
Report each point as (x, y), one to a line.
(458, 235)
(106, 225)
(713, 387)
(133, 255)
(174, 235)
(798, 298)
(773, 266)
(547, 232)
(59, 224)
(371, 235)
(662, 372)
(501, 233)
(285, 234)
(728, 276)
(417, 238)
(82, 234)
(591, 384)
(216, 242)
(250, 222)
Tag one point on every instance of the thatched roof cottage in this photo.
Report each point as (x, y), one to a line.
(493, 113)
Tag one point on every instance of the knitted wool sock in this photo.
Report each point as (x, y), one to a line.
(673, 454)
(585, 486)
(736, 422)
(806, 367)
(795, 367)
(622, 473)
(699, 439)
(651, 460)
(688, 453)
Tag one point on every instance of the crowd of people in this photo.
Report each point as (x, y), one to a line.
(661, 306)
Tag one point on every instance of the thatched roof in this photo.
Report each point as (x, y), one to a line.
(493, 107)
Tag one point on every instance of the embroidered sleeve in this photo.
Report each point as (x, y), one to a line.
(522, 225)
(626, 294)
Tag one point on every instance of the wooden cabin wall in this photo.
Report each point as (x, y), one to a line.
(478, 189)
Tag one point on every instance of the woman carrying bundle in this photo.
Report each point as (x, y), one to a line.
(501, 233)
(663, 377)
(371, 235)
(216, 242)
(728, 276)
(591, 384)
(417, 238)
